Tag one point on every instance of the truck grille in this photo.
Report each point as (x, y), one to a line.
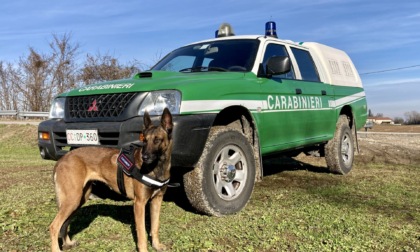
(98, 106)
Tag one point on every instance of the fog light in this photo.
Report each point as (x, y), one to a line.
(42, 152)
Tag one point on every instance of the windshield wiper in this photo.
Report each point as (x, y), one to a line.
(203, 69)
(218, 69)
(194, 69)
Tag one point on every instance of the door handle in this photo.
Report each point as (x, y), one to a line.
(323, 92)
(298, 91)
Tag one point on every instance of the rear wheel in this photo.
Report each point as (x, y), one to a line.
(339, 151)
(223, 180)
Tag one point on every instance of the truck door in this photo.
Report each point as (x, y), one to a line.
(315, 97)
(283, 125)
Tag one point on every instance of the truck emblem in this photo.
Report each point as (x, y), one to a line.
(93, 107)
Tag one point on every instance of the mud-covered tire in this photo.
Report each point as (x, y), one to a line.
(223, 180)
(339, 151)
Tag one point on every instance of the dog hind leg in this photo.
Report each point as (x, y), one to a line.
(70, 196)
(60, 224)
(67, 242)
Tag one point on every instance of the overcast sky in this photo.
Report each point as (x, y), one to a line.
(379, 35)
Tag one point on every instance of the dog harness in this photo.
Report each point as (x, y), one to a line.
(126, 164)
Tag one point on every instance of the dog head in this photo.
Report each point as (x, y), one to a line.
(157, 138)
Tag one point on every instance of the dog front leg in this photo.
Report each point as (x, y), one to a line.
(155, 206)
(139, 216)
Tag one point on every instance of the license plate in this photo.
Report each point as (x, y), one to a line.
(85, 137)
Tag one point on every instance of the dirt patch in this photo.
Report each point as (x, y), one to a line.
(389, 148)
(390, 144)
(394, 148)
(384, 144)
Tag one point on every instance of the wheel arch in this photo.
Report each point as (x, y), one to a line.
(240, 118)
(348, 111)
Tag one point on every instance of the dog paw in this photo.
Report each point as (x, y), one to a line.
(70, 245)
(159, 247)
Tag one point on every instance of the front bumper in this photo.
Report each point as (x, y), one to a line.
(189, 134)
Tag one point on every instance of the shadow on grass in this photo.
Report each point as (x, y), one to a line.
(87, 214)
(278, 164)
(125, 213)
(272, 166)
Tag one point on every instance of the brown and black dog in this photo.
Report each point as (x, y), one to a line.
(75, 172)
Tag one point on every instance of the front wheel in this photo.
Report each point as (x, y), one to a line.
(339, 151)
(223, 180)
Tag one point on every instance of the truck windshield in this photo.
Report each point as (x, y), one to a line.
(236, 55)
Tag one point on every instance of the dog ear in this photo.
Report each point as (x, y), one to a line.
(146, 120)
(166, 121)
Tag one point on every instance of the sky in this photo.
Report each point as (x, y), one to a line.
(381, 36)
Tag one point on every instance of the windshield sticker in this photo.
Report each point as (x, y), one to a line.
(107, 86)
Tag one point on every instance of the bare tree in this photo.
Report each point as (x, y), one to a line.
(37, 78)
(105, 67)
(33, 83)
(398, 120)
(42, 76)
(63, 66)
(4, 88)
(412, 117)
(156, 58)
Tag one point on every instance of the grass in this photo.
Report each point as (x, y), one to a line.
(297, 207)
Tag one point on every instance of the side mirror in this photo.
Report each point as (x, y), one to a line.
(277, 65)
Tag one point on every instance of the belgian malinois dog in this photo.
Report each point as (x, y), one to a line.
(75, 172)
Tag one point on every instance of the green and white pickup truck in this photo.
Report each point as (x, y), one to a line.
(234, 100)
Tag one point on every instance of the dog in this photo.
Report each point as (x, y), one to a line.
(75, 172)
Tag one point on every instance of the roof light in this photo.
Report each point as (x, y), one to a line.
(270, 29)
(225, 30)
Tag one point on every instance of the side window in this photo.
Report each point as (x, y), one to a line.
(306, 65)
(277, 50)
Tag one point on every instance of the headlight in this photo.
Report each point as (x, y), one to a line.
(156, 101)
(57, 108)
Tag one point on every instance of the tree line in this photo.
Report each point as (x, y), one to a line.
(411, 117)
(34, 80)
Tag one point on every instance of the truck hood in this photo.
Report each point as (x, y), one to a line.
(157, 80)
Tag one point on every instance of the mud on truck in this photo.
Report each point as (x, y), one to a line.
(234, 100)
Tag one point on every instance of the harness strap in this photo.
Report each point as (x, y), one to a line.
(126, 164)
(120, 181)
(147, 180)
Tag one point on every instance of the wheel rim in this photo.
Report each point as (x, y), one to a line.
(346, 150)
(230, 171)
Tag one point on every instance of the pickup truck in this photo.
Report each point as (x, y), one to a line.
(234, 100)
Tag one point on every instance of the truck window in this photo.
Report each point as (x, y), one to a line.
(306, 65)
(277, 50)
(235, 55)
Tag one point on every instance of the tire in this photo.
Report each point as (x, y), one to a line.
(339, 151)
(223, 180)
